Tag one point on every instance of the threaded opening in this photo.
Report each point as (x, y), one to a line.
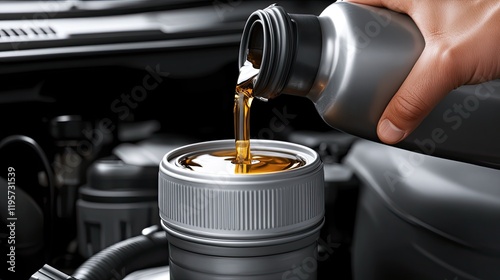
(267, 42)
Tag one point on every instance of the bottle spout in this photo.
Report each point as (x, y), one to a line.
(284, 48)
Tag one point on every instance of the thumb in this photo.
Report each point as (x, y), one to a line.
(429, 82)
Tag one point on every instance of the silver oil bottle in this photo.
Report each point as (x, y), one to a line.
(350, 60)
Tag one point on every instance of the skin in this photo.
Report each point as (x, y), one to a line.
(462, 46)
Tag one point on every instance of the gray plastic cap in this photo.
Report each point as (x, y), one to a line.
(242, 206)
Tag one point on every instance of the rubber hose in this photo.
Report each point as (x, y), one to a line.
(111, 261)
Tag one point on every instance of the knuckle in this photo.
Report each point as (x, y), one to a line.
(408, 106)
(448, 57)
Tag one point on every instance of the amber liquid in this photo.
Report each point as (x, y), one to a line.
(242, 102)
(223, 162)
(242, 160)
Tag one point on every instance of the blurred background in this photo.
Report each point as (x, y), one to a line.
(94, 93)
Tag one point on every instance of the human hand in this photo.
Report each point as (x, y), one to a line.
(462, 46)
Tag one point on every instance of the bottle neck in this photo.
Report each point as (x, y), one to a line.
(286, 50)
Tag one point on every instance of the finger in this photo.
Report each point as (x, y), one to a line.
(402, 6)
(428, 83)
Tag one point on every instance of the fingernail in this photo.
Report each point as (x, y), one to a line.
(389, 133)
